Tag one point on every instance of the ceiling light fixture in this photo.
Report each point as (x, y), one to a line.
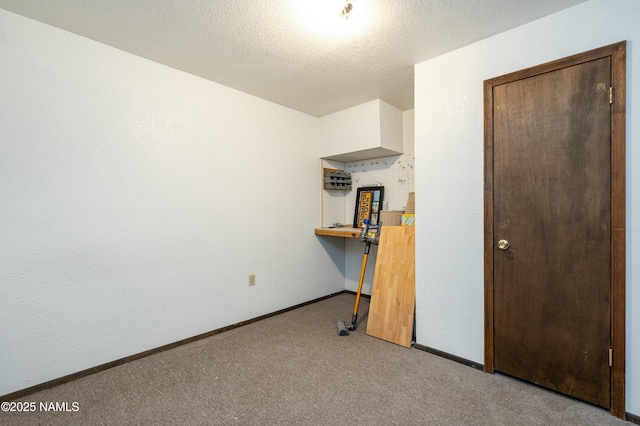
(331, 20)
(347, 9)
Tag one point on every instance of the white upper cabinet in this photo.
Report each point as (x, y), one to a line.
(370, 130)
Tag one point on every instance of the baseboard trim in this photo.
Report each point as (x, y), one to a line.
(366, 296)
(450, 357)
(89, 371)
(633, 418)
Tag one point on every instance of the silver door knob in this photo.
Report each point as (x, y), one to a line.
(503, 244)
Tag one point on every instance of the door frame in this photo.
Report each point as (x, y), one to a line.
(617, 52)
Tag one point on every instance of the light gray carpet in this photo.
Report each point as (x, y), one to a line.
(293, 369)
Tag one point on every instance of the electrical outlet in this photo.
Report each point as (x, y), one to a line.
(252, 279)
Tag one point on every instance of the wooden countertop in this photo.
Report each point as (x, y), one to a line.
(339, 232)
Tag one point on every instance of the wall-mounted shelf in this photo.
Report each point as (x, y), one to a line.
(339, 232)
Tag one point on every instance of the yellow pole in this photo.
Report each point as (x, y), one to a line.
(364, 267)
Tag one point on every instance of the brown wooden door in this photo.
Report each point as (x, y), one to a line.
(552, 203)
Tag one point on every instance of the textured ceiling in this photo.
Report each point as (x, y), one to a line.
(297, 53)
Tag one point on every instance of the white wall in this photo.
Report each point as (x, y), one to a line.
(136, 200)
(449, 171)
(408, 131)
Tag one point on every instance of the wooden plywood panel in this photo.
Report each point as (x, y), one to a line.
(393, 295)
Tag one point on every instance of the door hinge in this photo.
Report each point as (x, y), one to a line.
(610, 95)
(610, 357)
